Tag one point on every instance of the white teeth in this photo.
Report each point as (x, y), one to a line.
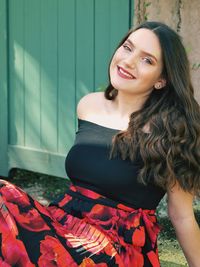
(126, 74)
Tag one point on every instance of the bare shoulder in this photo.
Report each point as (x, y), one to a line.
(90, 104)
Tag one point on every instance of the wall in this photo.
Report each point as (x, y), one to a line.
(184, 17)
(52, 53)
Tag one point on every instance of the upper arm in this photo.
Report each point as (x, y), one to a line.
(180, 203)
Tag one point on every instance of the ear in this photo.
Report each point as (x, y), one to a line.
(160, 83)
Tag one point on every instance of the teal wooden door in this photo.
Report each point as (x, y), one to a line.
(57, 51)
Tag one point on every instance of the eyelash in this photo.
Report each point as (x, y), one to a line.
(126, 47)
(148, 60)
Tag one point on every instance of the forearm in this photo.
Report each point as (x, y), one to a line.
(188, 235)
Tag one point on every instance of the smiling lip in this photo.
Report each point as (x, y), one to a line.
(124, 73)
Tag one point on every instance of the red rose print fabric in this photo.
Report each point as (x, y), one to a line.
(82, 229)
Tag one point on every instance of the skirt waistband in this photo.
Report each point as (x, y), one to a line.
(90, 195)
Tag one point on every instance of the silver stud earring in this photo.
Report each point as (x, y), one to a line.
(158, 86)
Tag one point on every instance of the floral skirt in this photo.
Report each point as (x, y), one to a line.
(82, 229)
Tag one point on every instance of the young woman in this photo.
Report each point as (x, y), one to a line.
(135, 142)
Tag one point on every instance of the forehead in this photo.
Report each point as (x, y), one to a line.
(146, 40)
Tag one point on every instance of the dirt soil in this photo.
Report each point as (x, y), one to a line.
(46, 188)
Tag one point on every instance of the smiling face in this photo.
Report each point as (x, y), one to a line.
(136, 66)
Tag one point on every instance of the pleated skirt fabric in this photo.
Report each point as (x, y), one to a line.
(82, 228)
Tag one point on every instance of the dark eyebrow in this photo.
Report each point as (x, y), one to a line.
(144, 52)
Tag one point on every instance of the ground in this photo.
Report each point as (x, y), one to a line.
(46, 188)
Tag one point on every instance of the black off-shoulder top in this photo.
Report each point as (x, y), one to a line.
(88, 165)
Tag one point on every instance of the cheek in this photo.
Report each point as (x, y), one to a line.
(113, 64)
(116, 57)
(110, 67)
(151, 75)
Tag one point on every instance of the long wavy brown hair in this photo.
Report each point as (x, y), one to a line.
(171, 150)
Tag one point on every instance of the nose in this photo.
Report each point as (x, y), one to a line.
(131, 60)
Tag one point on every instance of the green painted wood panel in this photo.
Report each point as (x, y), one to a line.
(32, 58)
(102, 43)
(84, 47)
(66, 74)
(119, 10)
(3, 90)
(112, 20)
(59, 50)
(16, 72)
(49, 69)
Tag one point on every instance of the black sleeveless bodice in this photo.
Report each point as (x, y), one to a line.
(88, 165)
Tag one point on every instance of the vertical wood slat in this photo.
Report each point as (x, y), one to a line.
(102, 43)
(118, 25)
(49, 70)
(3, 90)
(66, 72)
(108, 33)
(84, 47)
(32, 72)
(16, 72)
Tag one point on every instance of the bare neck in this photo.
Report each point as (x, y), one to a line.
(126, 104)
